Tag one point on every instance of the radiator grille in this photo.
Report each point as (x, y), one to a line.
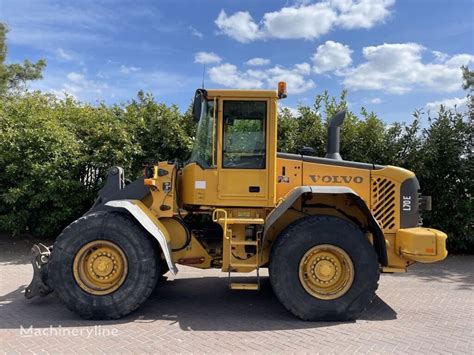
(383, 202)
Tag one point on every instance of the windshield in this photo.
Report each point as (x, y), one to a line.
(204, 151)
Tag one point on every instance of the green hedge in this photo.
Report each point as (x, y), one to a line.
(55, 154)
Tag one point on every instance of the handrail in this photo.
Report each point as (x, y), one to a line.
(216, 219)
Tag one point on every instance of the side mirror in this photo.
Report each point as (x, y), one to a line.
(199, 104)
(229, 121)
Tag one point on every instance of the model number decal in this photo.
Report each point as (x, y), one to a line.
(406, 203)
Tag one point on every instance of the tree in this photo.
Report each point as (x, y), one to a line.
(445, 172)
(468, 78)
(468, 84)
(160, 131)
(15, 76)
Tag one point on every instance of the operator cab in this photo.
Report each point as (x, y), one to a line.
(233, 160)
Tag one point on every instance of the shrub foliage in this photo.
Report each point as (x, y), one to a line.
(55, 154)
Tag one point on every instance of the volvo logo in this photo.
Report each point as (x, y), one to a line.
(337, 179)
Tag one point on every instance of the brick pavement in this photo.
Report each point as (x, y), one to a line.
(428, 310)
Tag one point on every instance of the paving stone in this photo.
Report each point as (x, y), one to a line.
(428, 310)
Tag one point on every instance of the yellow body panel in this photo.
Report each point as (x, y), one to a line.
(198, 186)
(164, 200)
(424, 245)
(194, 252)
(298, 173)
(389, 179)
(200, 191)
(289, 176)
(330, 175)
(151, 214)
(395, 261)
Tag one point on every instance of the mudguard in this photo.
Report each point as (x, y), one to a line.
(293, 195)
(148, 221)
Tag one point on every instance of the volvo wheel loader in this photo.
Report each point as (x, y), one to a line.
(324, 227)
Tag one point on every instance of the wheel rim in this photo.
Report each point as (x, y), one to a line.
(100, 267)
(326, 272)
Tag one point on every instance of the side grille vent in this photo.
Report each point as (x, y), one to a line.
(383, 202)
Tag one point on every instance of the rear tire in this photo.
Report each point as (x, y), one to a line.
(76, 286)
(353, 291)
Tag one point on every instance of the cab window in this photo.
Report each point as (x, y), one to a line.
(244, 134)
(205, 151)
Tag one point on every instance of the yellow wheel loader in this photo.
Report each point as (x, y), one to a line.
(324, 227)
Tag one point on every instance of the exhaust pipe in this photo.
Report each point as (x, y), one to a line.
(334, 136)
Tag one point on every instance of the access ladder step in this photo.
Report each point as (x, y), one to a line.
(241, 220)
(244, 286)
(243, 242)
(234, 264)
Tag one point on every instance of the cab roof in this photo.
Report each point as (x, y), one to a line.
(242, 93)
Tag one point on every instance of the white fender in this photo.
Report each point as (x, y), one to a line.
(153, 227)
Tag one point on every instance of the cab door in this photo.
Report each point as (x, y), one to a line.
(243, 158)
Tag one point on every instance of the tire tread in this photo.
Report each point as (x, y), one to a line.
(357, 306)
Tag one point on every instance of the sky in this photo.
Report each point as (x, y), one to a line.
(393, 56)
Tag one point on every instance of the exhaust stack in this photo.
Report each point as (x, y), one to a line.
(334, 136)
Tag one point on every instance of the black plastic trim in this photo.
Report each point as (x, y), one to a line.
(409, 203)
(115, 189)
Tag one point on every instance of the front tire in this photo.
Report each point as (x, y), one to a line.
(324, 268)
(104, 266)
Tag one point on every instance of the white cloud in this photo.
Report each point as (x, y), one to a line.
(77, 85)
(75, 77)
(257, 62)
(303, 20)
(459, 60)
(306, 22)
(331, 56)
(112, 86)
(459, 103)
(440, 56)
(295, 81)
(128, 69)
(64, 55)
(230, 76)
(195, 32)
(239, 26)
(399, 68)
(362, 13)
(375, 101)
(206, 58)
